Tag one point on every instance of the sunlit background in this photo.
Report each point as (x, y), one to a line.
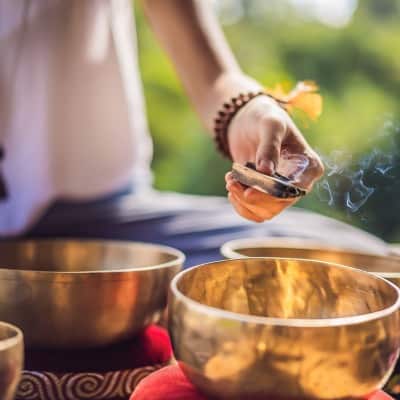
(351, 48)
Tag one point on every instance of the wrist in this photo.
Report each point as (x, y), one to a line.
(225, 116)
(224, 88)
(230, 84)
(230, 108)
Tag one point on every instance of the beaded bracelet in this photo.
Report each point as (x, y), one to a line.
(225, 116)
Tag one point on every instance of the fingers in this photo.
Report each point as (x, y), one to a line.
(269, 148)
(261, 204)
(315, 169)
(255, 197)
(242, 210)
(253, 204)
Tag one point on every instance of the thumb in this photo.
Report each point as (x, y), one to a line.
(269, 147)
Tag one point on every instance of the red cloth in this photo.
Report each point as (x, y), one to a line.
(150, 347)
(170, 383)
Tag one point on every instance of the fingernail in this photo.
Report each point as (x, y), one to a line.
(266, 166)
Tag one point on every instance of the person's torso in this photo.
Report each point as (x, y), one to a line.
(72, 119)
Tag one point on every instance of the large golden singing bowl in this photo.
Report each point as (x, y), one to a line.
(284, 328)
(11, 359)
(387, 267)
(70, 293)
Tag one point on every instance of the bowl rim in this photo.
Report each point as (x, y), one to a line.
(230, 250)
(10, 342)
(286, 322)
(179, 257)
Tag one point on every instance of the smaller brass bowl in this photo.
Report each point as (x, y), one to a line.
(284, 328)
(386, 266)
(11, 359)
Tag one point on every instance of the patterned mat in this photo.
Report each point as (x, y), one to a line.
(116, 385)
(107, 373)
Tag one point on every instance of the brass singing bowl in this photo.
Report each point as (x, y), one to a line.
(284, 328)
(11, 359)
(75, 293)
(387, 267)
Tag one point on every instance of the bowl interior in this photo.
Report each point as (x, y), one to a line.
(367, 262)
(9, 336)
(82, 255)
(286, 288)
(7, 332)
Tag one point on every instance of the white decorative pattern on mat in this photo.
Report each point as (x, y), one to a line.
(81, 386)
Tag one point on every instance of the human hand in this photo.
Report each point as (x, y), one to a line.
(260, 133)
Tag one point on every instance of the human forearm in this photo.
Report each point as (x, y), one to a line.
(193, 39)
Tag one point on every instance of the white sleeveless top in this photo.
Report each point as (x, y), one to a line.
(72, 117)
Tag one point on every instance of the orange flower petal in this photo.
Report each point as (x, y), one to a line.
(309, 103)
(303, 97)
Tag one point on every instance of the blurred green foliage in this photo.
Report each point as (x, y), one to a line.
(358, 70)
